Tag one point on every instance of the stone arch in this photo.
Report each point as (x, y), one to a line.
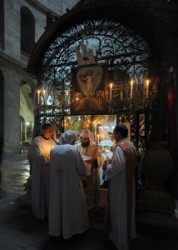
(127, 14)
(27, 24)
(22, 128)
(26, 111)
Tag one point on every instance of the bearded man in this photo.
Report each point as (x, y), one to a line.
(90, 152)
(121, 174)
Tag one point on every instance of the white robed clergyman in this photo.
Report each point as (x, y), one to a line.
(91, 154)
(40, 154)
(68, 207)
(122, 190)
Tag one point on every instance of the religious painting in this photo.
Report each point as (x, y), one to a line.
(89, 91)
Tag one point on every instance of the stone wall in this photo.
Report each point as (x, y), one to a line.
(13, 62)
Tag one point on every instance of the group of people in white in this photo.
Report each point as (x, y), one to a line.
(66, 183)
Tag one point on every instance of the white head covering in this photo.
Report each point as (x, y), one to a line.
(87, 134)
(68, 137)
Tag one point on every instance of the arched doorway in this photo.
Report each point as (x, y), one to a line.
(123, 45)
(26, 113)
(116, 41)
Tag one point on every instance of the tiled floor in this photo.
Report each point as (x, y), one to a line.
(20, 231)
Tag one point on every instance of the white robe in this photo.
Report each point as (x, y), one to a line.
(116, 172)
(40, 153)
(67, 207)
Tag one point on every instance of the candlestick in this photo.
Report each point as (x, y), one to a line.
(66, 97)
(147, 88)
(38, 96)
(95, 134)
(110, 91)
(131, 88)
(121, 94)
(98, 137)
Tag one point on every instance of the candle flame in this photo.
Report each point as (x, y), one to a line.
(131, 82)
(111, 85)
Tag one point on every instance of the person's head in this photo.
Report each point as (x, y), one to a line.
(46, 130)
(120, 131)
(68, 137)
(86, 138)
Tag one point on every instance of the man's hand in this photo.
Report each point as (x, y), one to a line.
(46, 157)
(104, 167)
(106, 162)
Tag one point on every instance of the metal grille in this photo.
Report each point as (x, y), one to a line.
(123, 51)
(112, 44)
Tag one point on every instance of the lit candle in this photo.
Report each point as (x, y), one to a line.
(95, 123)
(38, 96)
(98, 136)
(110, 92)
(147, 88)
(77, 99)
(67, 96)
(131, 88)
(121, 94)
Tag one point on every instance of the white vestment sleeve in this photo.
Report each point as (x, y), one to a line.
(118, 164)
(37, 151)
(80, 165)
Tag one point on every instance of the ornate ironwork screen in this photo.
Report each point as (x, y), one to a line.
(103, 42)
